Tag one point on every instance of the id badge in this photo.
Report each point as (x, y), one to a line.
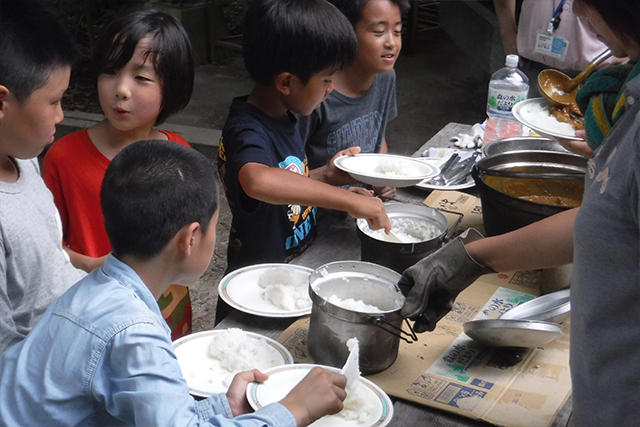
(551, 45)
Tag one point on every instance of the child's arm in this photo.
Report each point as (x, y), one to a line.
(330, 174)
(84, 262)
(278, 187)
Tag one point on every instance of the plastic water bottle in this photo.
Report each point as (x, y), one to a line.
(507, 87)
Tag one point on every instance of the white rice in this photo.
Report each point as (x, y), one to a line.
(539, 116)
(357, 407)
(238, 352)
(396, 168)
(353, 304)
(406, 229)
(285, 288)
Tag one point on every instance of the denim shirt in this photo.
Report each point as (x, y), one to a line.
(102, 355)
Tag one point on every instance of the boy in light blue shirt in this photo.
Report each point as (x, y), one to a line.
(102, 353)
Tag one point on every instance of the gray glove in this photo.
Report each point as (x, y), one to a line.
(433, 283)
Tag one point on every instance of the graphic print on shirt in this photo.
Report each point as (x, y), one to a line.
(362, 131)
(302, 222)
(604, 175)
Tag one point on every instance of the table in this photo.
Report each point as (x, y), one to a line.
(333, 229)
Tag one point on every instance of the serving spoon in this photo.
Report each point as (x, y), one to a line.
(559, 89)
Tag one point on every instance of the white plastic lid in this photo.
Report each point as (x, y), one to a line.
(512, 61)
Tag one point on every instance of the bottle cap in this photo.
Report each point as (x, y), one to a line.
(512, 61)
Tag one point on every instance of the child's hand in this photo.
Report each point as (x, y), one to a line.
(361, 190)
(385, 193)
(320, 393)
(236, 394)
(372, 209)
(578, 147)
(335, 176)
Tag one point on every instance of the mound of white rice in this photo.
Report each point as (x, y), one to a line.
(539, 116)
(353, 304)
(396, 168)
(285, 288)
(407, 229)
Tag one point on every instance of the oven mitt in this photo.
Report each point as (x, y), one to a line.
(433, 283)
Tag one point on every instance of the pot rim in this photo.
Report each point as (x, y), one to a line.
(439, 220)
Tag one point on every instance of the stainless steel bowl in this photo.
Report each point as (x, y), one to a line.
(521, 143)
(512, 333)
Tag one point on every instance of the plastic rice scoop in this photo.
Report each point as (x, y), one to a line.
(351, 368)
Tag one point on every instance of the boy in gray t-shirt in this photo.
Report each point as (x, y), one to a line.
(37, 54)
(363, 101)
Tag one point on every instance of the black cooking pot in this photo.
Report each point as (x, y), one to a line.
(400, 256)
(504, 210)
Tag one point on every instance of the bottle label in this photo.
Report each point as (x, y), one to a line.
(501, 101)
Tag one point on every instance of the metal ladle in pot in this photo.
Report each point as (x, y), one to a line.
(559, 89)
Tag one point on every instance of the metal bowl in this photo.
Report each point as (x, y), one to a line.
(512, 333)
(521, 143)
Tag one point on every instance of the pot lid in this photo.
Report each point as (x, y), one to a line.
(552, 307)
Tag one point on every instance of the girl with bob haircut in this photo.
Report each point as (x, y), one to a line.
(144, 71)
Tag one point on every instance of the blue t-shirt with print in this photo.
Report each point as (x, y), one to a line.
(262, 232)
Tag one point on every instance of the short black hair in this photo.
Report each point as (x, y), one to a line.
(151, 190)
(352, 9)
(301, 37)
(170, 51)
(33, 43)
(622, 16)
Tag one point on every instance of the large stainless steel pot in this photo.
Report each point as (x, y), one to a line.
(502, 212)
(395, 255)
(331, 325)
(521, 143)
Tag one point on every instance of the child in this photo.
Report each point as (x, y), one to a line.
(291, 50)
(145, 73)
(160, 204)
(37, 54)
(356, 113)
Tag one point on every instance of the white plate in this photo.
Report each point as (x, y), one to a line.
(366, 168)
(283, 378)
(241, 291)
(526, 113)
(437, 162)
(204, 375)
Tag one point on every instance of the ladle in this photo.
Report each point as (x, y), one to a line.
(558, 88)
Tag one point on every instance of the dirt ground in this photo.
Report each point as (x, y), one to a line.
(204, 292)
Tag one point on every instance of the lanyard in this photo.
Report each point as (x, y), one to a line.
(555, 18)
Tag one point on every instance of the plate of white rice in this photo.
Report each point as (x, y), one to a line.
(268, 290)
(534, 113)
(386, 170)
(210, 359)
(366, 405)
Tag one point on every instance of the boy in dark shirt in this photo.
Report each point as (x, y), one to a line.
(291, 48)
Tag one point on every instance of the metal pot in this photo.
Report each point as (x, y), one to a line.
(502, 212)
(521, 143)
(400, 256)
(332, 325)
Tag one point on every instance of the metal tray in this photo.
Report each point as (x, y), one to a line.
(512, 333)
(553, 307)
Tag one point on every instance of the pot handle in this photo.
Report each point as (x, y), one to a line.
(382, 324)
(449, 234)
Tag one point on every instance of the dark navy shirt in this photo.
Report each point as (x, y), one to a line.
(262, 232)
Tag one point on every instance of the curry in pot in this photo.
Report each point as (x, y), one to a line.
(553, 192)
